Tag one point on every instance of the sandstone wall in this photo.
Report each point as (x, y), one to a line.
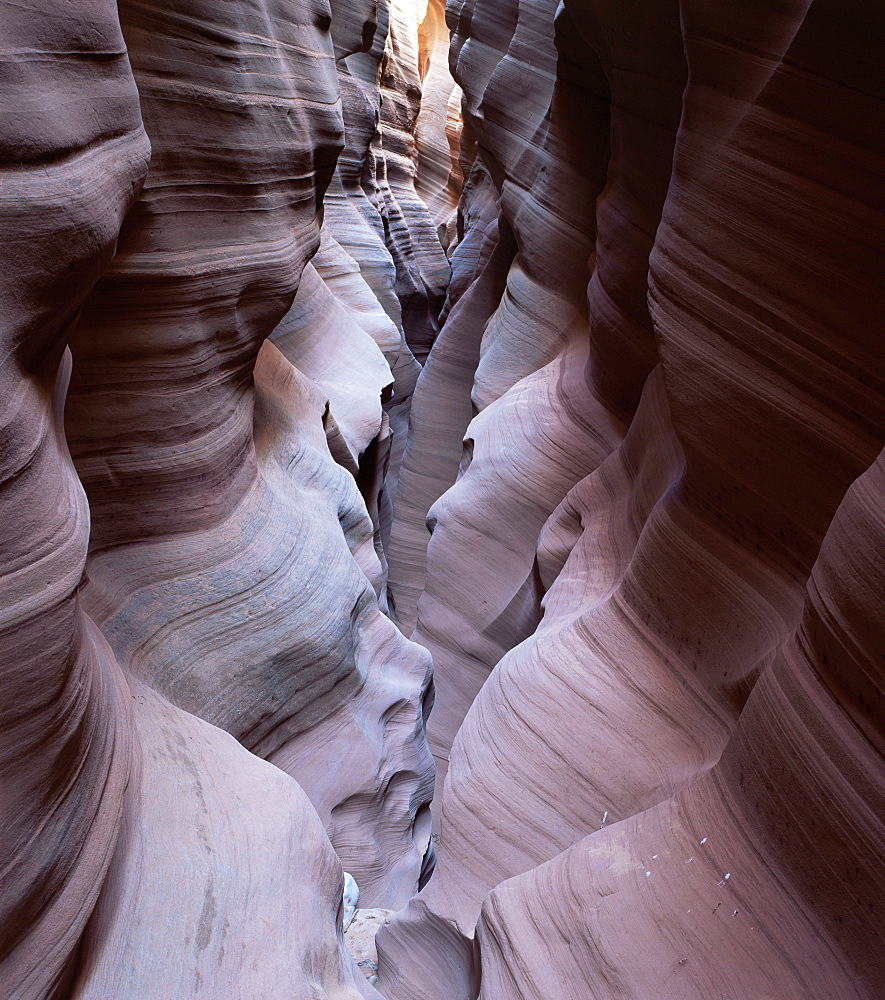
(74, 154)
(295, 448)
(234, 576)
(215, 498)
(672, 390)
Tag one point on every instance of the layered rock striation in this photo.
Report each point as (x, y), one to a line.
(640, 529)
(215, 499)
(74, 154)
(514, 358)
(234, 579)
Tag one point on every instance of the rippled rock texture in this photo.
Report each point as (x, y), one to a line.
(515, 358)
(215, 498)
(653, 586)
(74, 154)
(212, 593)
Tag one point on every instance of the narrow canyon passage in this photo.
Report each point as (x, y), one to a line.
(442, 500)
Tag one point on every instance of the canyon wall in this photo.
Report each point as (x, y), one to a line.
(220, 598)
(656, 652)
(74, 154)
(215, 500)
(496, 383)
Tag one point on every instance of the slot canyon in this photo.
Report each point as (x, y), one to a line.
(442, 500)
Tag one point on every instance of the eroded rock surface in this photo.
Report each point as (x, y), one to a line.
(215, 500)
(518, 356)
(666, 421)
(233, 566)
(74, 154)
